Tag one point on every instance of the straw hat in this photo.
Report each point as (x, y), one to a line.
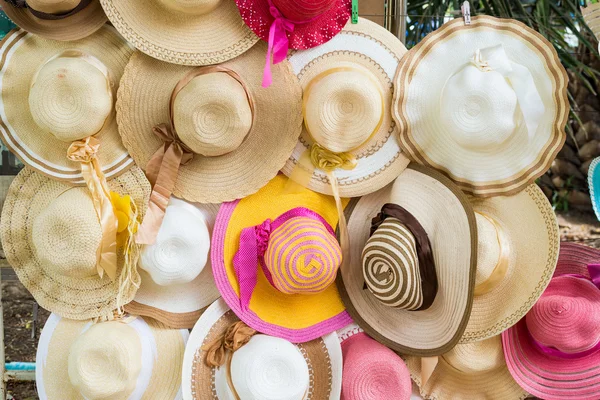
(182, 32)
(298, 317)
(56, 93)
(258, 366)
(409, 284)
(129, 359)
(493, 118)
(371, 370)
(469, 371)
(51, 236)
(553, 352)
(591, 16)
(177, 281)
(56, 19)
(517, 252)
(594, 185)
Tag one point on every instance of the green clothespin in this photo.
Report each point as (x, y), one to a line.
(355, 11)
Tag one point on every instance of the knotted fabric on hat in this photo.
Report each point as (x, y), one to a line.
(52, 12)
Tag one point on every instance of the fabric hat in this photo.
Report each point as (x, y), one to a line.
(371, 370)
(177, 281)
(517, 251)
(230, 135)
(133, 358)
(55, 95)
(295, 317)
(493, 118)
(53, 238)
(554, 352)
(414, 239)
(225, 357)
(56, 19)
(594, 185)
(182, 32)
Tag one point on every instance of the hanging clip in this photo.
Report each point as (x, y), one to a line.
(466, 12)
(355, 11)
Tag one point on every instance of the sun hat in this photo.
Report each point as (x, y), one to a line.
(176, 275)
(230, 135)
(371, 370)
(517, 251)
(182, 32)
(297, 317)
(408, 274)
(594, 185)
(553, 352)
(591, 16)
(226, 359)
(493, 118)
(56, 19)
(131, 358)
(54, 240)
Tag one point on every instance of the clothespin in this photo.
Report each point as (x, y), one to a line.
(466, 12)
(355, 11)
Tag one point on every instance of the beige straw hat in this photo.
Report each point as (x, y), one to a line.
(407, 278)
(132, 358)
(51, 236)
(56, 19)
(200, 32)
(518, 250)
(493, 117)
(258, 366)
(55, 93)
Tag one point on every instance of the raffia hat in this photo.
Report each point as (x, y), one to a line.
(226, 359)
(56, 95)
(267, 306)
(408, 274)
(493, 118)
(56, 19)
(133, 358)
(517, 252)
(177, 281)
(186, 32)
(52, 237)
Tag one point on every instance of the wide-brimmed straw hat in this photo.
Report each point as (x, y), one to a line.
(133, 358)
(53, 238)
(203, 32)
(493, 118)
(594, 185)
(517, 252)
(297, 315)
(56, 19)
(407, 277)
(554, 352)
(226, 359)
(591, 16)
(177, 280)
(56, 94)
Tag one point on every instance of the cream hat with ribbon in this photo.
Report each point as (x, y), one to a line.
(493, 118)
(177, 280)
(132, 358)
(226, 359)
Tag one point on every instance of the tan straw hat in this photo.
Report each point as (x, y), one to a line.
(132, 358)
(258, 366)
(56, 19)
(493, 117)
(518, 250)
(407, 278)
(57, 94)
(186, 32)
(53, 239)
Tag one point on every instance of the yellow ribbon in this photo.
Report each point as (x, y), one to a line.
(501, 267)
(428, 365)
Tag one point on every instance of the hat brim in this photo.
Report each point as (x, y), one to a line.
(594, 185)
(574, 258)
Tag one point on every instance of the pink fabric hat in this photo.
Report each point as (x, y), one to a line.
(554, 352)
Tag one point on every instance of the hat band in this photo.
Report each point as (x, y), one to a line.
(499, 271)
(42, 15)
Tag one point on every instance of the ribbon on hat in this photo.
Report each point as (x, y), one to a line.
(494, 58)
(42, 15)
(501, 267)
(428, 365)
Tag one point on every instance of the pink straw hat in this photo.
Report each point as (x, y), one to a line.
(554, 352)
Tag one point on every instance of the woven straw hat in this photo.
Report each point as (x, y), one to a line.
(177, 281)
(197, 32)
(51, 235)
(129, 359)
(445, 224)
(517, 253)
(55, 93)
(56, 19)
(260, 366)
(493, 118)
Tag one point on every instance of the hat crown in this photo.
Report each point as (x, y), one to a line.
(212, 114)
(482, 356)
(53, 6)
(488, 248)
(302, 10)
(192, 7)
